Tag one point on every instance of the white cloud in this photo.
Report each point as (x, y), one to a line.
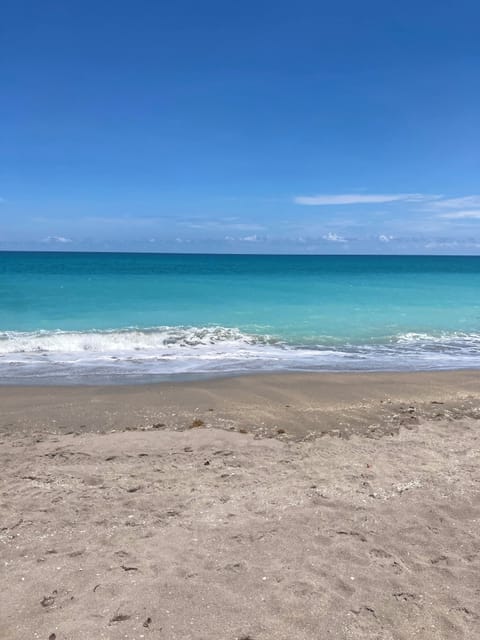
(385, 238)
(452, 244)
(334, 237)
(245, 227)
(56, 240)
(221, 225)
(253, 238)
(458, 203)
(436, 244)
(358, 198)
(458, 215)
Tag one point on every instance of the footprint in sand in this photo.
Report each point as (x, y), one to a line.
(408, 597)
(386, 560)
(366, 620)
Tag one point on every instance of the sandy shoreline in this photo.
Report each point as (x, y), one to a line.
(118, 519)
(304, 404)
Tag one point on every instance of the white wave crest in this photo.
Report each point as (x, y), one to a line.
(141, 355)
(443, 340)
(123, 340)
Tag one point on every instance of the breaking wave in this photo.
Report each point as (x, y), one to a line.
(159, 353)
(122, 340)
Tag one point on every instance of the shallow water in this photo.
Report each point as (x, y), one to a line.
(89, 317)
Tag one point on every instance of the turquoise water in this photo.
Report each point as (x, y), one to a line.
(90, 317)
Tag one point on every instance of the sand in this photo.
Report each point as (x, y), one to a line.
(299, 506)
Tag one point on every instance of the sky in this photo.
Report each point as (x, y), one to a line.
(256, 126)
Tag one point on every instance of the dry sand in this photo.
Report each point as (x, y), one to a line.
(119, 520)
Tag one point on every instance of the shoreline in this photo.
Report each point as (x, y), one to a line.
(153, 380)
(300, 404)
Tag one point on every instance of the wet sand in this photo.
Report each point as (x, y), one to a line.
(303, 404)
(340, 506)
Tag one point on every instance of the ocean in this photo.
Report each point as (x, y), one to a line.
(88, 318)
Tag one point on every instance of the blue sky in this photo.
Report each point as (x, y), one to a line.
(303, 127)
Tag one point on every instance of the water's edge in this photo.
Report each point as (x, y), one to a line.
(139, 356)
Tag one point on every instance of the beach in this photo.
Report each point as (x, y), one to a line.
(294, 505)
(240, 321)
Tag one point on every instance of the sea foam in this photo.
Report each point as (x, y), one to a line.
(121, 340)
(140, 355)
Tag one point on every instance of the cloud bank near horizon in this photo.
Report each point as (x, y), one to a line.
(342, 222)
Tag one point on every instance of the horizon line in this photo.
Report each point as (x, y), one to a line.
(224, 253)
